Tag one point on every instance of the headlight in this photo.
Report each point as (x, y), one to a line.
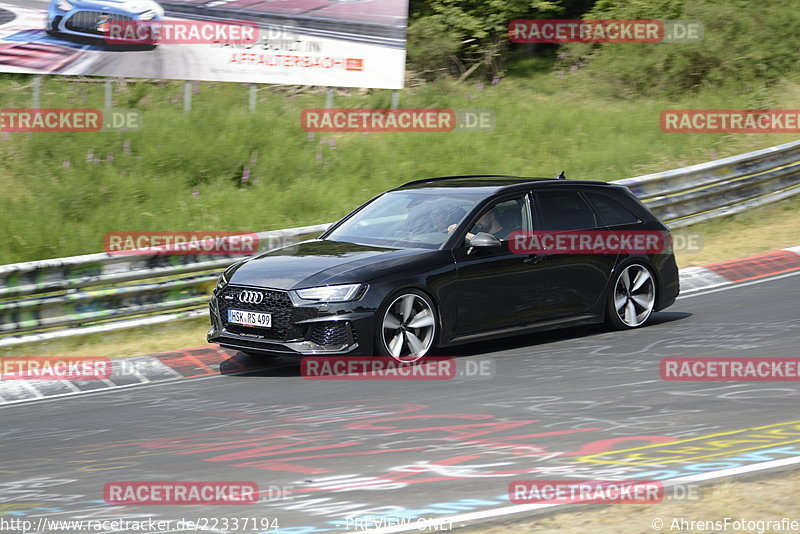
(222, 282)
(147, 15)
(63, 5)
(330, 293)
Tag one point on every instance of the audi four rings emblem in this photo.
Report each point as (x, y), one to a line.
(251, 297)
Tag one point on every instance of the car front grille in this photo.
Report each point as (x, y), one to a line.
(87, 21)
(334, 333)
(274, 302)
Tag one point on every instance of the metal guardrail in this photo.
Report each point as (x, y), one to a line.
(94, 293)
(721, 187)
(87, 290)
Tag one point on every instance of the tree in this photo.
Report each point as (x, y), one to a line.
(473, 34)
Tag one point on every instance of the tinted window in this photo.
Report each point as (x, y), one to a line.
(611, 212)
(405, 219)
(505, 217)
(564, 210)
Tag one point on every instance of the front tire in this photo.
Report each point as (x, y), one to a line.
(407, 326)
(632, 297)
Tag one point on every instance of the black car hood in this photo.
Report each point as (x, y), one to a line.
(321, 262)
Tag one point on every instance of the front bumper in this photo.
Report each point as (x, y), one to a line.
(299, 327)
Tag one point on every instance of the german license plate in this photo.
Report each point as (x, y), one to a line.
(248, 318)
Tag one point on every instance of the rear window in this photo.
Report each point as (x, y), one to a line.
(565, 210)
(611, 212)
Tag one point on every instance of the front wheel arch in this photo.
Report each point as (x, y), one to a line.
(380, 344)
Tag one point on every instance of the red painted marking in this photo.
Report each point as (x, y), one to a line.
(41, 57)
(282, 464)
(272, 450)
(205, 361)
(369, 424)
(336, 414)
(189, 365)
(769, 264)
(457, 431)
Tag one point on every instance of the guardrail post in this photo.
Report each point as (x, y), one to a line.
(109, 87)
(329, 98)
(37, 92)
(187, 97)
(395, 99)
(253, 94)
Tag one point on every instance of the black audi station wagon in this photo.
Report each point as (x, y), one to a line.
(430, 264)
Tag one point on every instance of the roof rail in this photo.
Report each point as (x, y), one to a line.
(442, 178)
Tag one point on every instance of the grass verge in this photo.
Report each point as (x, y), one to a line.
(768, 499)
(223, 168)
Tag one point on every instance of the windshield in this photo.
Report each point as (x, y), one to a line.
(406, 219)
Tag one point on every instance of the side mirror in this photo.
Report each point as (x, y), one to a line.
(484, 240)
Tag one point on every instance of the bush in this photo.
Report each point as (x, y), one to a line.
(746, 45)
(431, 47)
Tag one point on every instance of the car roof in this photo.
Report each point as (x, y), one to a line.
(494, 183)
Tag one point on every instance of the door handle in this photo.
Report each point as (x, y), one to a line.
(533, 259)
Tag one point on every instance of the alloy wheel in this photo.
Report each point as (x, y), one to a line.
(408, 328)
(634, 295)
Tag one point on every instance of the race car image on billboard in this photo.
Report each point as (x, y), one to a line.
(354, 43)
(94, 18)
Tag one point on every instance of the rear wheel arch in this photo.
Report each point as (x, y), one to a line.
(643, 301)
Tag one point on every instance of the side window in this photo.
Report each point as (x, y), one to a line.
(564, 210)
(611, 211)
(503, 218)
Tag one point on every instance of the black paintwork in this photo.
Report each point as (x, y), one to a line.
(480, 294)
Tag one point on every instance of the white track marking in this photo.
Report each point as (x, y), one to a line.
(736, 285)
(519, 508)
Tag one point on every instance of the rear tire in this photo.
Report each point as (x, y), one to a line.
(632, 297)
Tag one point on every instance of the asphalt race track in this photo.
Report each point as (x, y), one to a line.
(323, 451)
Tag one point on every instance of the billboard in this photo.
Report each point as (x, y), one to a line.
(341, 43)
